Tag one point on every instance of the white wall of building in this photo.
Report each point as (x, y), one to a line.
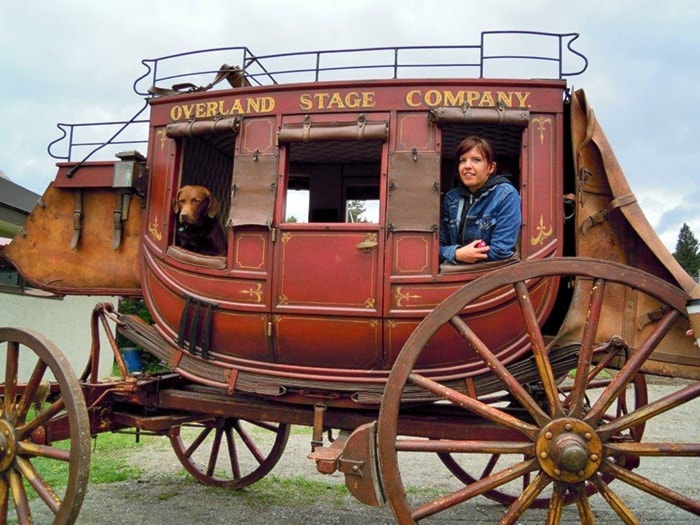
(66, 322)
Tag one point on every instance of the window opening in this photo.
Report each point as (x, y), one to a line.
(506, 141)
(209, 162)
(333, 181)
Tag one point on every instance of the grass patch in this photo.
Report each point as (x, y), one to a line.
(273, 490)
(108, 464)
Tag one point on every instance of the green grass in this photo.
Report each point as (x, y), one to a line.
(274, 490)
(109, 463)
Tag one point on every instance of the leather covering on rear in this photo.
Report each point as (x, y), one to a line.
(611, 225)
(43, 254)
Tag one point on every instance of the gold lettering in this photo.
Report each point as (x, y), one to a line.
(454, 99)
(487, 100)
(522, 97)
(506, 98)
(305, 102)
(368, 99)
(472, 97)
(212, 108)
(236, 107)
(410, 98)
(175, 113)
(433, 98)
(335, 101)
(267, 105)
(253, 105)
(352, 99)
(321, 99)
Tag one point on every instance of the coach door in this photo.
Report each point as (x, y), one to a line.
(327, 276)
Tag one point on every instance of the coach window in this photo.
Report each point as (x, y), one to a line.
(503, 128)
(206, 156)
(334, 171)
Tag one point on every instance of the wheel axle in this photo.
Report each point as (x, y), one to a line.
(569, 450)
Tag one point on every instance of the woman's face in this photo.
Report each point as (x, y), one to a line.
(474, 169)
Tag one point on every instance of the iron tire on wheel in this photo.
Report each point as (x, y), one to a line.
(568, 448)
(26, 431)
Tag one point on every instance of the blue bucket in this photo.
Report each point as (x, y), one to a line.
(132, 360)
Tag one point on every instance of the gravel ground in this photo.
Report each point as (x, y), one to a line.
(164, 494)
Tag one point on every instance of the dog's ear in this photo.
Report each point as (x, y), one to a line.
(176, 203)
(214, 207)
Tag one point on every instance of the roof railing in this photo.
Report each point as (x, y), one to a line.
(498, 51)
(469, 61)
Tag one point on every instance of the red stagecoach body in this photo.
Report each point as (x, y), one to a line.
(331, 292)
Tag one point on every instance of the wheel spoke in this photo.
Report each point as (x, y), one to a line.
(526, 498)
(198, 441)
(30, 390)
(556, 504)
(497, 367)
(653, 449)
(473, 405)
(11, 370)
(214, 453)
(233, 453)
(539, 349)
(249, 443)
(19, 496)
(43, 417)
(631, 367)
(27, 448)
(649, 411)
(587, 345)
(45, 492)
(650, 487)
(474, 489)
(453, 446)
(4, 501)
(622, 510)
(583, 505)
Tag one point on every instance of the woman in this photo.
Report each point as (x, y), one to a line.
(480, 218)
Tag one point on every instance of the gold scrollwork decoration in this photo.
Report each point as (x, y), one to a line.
(255, 292)
(155, 230)
(162, 137)
(541, 123)
(286, 237)
(542, 233)
(401, 297)
(283, 299)
(369, 303)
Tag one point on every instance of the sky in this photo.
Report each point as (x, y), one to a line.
(75, 61)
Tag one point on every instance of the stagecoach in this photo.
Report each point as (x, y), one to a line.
(330, 307)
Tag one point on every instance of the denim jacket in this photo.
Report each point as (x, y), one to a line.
(493, 215)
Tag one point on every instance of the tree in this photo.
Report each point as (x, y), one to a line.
(687, 251)
(356, 210)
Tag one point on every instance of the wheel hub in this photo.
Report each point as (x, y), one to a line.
(569, 450)
(7, 445)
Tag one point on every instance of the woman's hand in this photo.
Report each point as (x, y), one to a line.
(473, 252)
(690, 333)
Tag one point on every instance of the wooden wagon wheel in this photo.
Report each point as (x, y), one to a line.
(567, 446)
(506, 495)
(31, 425)
(229, 452)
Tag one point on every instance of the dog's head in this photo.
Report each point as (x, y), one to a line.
(193, 203)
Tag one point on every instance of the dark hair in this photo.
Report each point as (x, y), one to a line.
(477, 142)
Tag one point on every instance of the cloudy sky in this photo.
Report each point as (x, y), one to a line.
(75, 61)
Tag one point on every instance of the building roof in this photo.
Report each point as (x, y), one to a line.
(16, 203)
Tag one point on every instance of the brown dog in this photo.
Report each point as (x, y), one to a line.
(198, 229)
